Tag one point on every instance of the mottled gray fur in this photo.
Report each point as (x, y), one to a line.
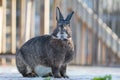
(48, 51)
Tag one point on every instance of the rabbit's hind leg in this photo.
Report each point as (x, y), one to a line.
(21, 65)
(24, 69)
(29, 72)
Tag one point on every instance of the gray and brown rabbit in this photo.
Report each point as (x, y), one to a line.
(48, 54)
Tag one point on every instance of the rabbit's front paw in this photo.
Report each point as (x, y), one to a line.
(65, 76)
(57, 75)
(30, 75)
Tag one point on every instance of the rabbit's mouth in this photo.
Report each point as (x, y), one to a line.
(61, 36)
(63, 39)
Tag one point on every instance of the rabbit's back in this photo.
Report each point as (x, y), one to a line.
(34, 51)
(39, 39)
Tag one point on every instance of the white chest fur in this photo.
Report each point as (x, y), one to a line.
(42, 70)
(62, 36)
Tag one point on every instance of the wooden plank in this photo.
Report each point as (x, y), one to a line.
(78, 40)
(28, 20)
(54, 14)
(13, 31)
(86, 45)
(0, 2)
(22, 21)
(103, 53)
(99, 52)
(42, 17)
(74, 35)
(83, 59)
(4, 27)
(55, 4)
(114, 44)
(111, 59)
(47, 16)
(44, 13)
(32, 32)
(94, 49)
(119, 47)
(90, 35)
(1, 18)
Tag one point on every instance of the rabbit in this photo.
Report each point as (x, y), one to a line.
(48, 55)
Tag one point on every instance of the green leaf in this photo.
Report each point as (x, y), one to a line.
(47, 78)
(106, 77)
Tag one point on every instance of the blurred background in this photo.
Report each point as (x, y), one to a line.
(95, 26)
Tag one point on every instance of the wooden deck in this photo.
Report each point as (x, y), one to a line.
(74, 72)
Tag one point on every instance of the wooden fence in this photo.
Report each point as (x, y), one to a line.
(3, 28)
(13, 35)
(95, 42)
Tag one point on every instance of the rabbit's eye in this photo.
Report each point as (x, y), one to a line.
(64, 24)
(60, 24)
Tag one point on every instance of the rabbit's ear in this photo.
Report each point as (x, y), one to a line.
(69, 16)
(58, 15)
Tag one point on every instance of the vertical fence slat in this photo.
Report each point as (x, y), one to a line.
(78, 29)
(86, 45)
(28, 20)
(46, 17)
(13, 45)
(114, 39)
(119, 47)
(99, 55)
(55, 4)
(22, 21)
(13, 31)
(1, 18)
(42, 17)
(4, 27)
(90, 35)
(32, 32)
(103, 53)
(83, 44)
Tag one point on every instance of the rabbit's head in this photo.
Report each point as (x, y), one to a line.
(63, 30)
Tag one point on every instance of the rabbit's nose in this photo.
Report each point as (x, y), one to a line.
(62, 37)
(62, 32)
